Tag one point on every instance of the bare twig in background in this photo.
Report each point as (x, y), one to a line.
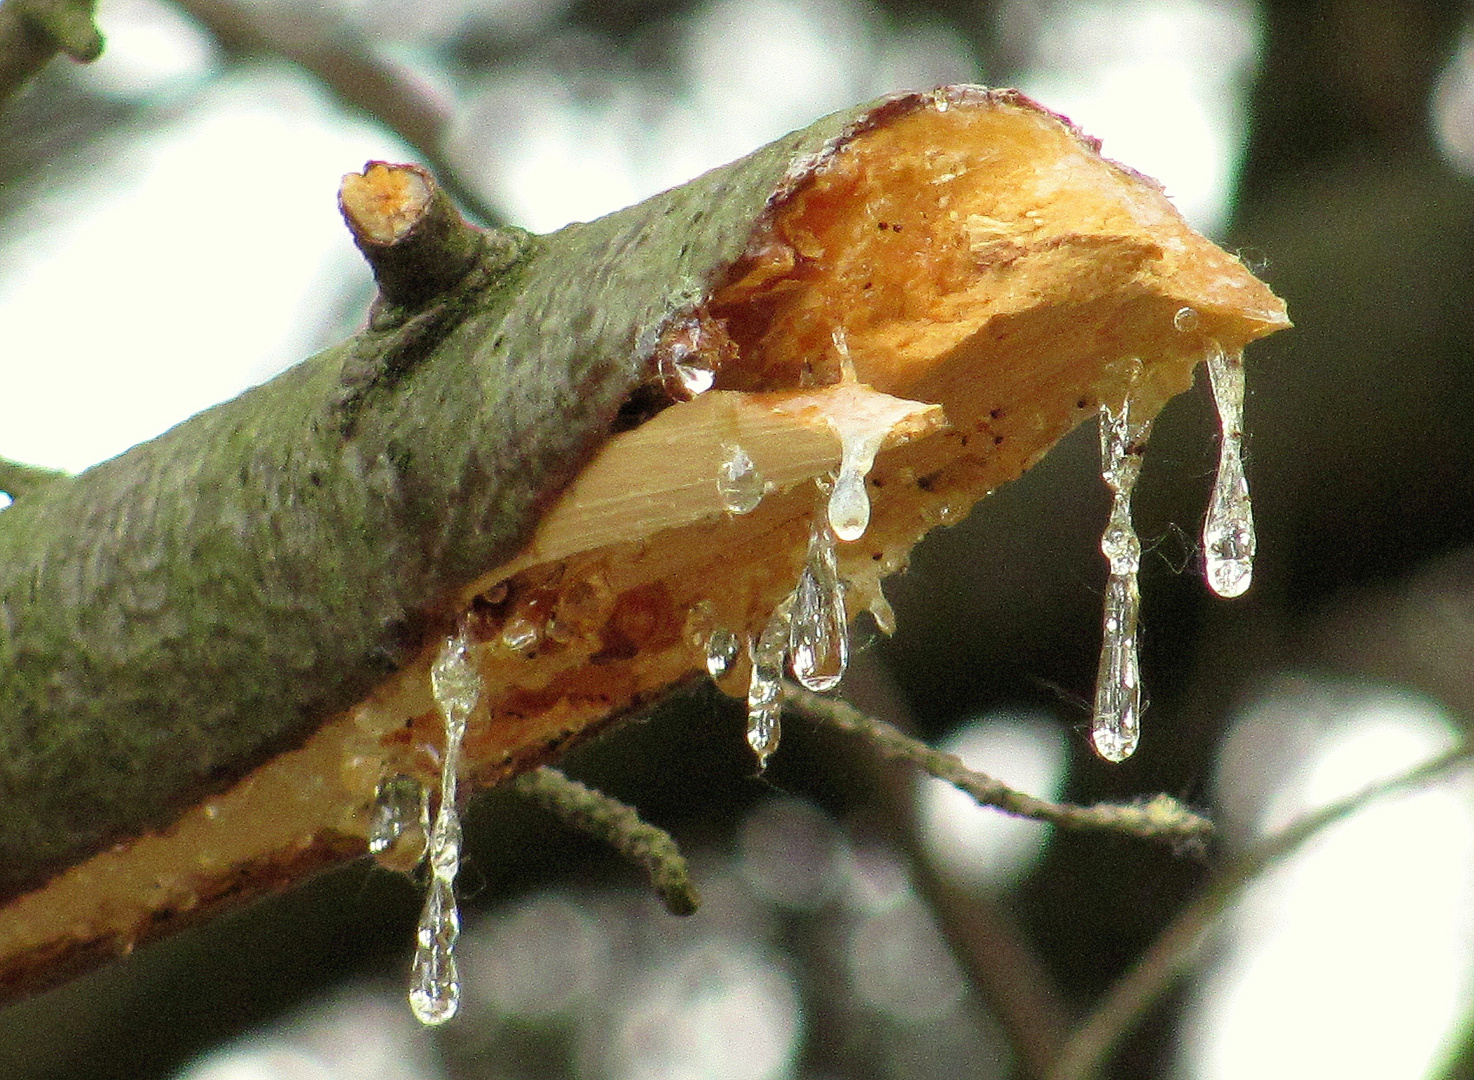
(999, 960)
(33, 31)
(1159, 818)
(346, 64)
(1090, 1045)
(650, 848)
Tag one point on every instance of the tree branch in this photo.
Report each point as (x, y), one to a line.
(1090, 1045)
(215, 646)
(33, 31)
(18, 478)
(650, 848)
(1159, 818)
(346, 65)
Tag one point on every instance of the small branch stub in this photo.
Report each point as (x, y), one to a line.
(410, 232)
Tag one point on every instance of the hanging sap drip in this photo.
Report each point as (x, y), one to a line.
(849, 502)
(739, 483)
(721, 652)
(818, 633)
(435, 988)
(399, 823)
(765, 690)
(1116, 724)
(1228, 530)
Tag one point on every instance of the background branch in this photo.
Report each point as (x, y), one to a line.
(346, 65)
(33, 31)
(1090, 1045)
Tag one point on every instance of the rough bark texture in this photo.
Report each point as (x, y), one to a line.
(274, 568)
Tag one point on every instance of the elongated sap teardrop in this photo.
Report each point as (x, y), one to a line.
(818, 632)
(1228, 529)
(435, 987)
(1116, 721)
(765, 689)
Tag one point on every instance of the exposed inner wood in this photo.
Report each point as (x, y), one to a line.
(993, 281)
(383, 203)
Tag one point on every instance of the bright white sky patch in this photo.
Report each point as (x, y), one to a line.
(1355, 959)
(722, 1010)
(1160, 83)
(151, 46)
(979, 846)
(560, 149)
(193, 265)
(1452, 104)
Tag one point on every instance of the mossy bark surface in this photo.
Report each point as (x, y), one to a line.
(173, 617)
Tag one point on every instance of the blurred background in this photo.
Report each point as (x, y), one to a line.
(859, 923)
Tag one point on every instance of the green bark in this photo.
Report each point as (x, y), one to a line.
(175, 616)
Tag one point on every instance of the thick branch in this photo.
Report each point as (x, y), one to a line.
(214, 647)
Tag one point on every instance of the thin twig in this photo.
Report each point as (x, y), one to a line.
(1090, 1045)
(1158, 818)
(1000, 961)
(16, 478)
(618, 825)
(347, 67)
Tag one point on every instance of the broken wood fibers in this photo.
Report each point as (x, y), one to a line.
(993, 278)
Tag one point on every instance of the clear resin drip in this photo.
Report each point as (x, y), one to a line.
(399, 823)
(765, 690)
(1116, 723)
(849, 502)
(818, 631)
(721, 652)
(1228, 530)
(435, 987)
(739, 483)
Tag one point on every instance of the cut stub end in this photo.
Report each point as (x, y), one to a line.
(415, 240)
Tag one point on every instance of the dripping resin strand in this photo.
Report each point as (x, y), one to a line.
(435, 987)
(1116, 723)
(1228, 529)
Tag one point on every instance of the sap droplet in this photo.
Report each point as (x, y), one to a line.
(818, 632)
(1116, 721)
(721, 652)
(849, 502)
(1228, 529)
(687, 375)
(435, 989)
(520, 634)
(399, 823)
(765, 689)
(1186, 319)
(739, 483)
(1115, 727)
(849, 505)
(435, 984)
